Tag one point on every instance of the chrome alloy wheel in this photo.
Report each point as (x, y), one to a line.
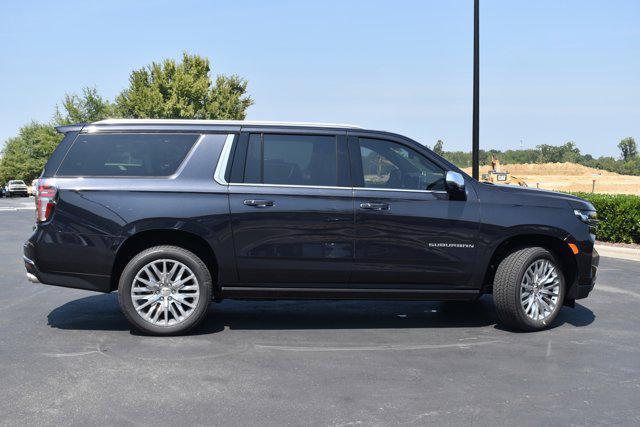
(165, 292)
(540, 289)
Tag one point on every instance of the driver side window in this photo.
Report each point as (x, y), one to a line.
(389, 165)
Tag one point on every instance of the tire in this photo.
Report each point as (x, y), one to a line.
(516, 305)
(178, 311)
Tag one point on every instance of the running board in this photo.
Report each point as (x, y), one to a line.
(242, 292)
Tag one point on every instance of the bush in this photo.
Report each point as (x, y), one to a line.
(619, 216)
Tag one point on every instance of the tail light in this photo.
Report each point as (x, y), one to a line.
(45, 200)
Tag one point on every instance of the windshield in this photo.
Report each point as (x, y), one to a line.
(16, 182)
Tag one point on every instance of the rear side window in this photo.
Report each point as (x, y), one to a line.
(292, 160)
(126, 154)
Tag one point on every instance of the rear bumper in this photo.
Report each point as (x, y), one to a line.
(90, 282)
(32, 271)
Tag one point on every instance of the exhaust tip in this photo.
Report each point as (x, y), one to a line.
(32, 278)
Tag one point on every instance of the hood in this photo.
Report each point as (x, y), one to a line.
(532, 196)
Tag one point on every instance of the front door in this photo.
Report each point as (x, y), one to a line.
(292, 210)
(408, 231)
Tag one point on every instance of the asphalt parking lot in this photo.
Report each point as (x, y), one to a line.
(68, 357)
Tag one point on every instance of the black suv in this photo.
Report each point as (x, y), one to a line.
(174, 213)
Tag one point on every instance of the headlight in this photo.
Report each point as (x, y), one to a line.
(588, 217)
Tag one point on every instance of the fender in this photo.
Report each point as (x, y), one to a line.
(214, 229)
(548, 236)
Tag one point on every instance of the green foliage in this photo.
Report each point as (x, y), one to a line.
(183, 91)
(24, 156)
(554, 154)
(619, 216)
(438, 147)
(85, 108)
(628, 149)
(557, 154)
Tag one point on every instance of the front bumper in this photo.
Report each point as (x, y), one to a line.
(18, 192)
(587, 278)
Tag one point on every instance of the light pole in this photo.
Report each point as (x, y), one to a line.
(475, 142)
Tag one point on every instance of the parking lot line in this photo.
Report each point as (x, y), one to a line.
(18, 208)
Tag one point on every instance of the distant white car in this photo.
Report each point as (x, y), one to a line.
(16, 188)
(33, 188)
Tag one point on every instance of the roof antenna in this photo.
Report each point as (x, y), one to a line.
(475, 143)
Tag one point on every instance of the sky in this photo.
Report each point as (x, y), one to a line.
(551, 71)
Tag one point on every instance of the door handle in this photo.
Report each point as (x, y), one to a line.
(258, 203)
(375, 206)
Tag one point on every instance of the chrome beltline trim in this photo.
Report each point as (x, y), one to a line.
(404, 190)
(327, 187)
(320, 187)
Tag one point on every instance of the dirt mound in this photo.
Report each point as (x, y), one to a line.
(570, 177)
(549, 169)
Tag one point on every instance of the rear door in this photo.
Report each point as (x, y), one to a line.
(408, 231)
(292, 208)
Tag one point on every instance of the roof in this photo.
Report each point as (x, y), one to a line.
(221, 123)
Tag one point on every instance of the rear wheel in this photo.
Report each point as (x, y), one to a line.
(165, 290)
(528, 289)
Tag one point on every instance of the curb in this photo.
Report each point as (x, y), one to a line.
(618, 252)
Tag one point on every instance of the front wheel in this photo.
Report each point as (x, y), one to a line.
(165, 290)
(528, 289)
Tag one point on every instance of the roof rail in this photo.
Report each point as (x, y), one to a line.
(220, 122)
(70, 128)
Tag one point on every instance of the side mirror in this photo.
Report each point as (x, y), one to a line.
(455, 181)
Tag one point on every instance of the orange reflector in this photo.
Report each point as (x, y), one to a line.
(574, 248)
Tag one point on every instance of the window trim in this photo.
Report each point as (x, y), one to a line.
(175, 174)
(225, 161)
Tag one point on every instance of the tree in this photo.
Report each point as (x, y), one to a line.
(628, 149)
(24, 156)
(437, 148)
(558, 154)
(183, 90)
(85, 108)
